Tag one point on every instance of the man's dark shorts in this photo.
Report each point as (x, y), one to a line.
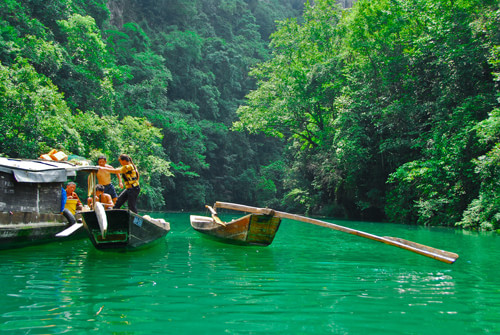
(110, 189)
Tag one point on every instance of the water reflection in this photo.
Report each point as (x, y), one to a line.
(237, 258)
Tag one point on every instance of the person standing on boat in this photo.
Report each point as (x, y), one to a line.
(104, 178)
(130, 176)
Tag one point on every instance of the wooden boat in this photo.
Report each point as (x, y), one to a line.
(424, 250)
(124, 230)
(252, 229)
(30, 201)
(116, 228)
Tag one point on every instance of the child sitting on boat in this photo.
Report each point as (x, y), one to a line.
(101, 197)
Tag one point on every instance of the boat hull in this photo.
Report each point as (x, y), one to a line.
(126, 230)
(253, 229)
(18, 230)
(30, 202)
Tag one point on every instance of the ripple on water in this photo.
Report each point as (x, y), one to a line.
(310, 280)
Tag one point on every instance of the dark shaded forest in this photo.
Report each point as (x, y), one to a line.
(384, 111)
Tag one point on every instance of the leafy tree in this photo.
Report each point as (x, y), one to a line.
(34, 114)
(288, 98)
(296, 94)
(458, 94)
(88, 79)
(484, 211)
(378, 92)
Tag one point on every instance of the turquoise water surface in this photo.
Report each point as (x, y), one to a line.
(311, 280)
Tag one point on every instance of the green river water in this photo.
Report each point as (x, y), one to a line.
(310, 280)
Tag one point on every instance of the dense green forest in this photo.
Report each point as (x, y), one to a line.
(385, 111)
(158, 80)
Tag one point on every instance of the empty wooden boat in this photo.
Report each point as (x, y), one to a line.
(252, 229)
(424, 250)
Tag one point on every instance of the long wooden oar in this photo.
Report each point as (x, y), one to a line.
(438, 254)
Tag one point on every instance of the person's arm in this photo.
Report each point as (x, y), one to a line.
(79, 205)
(90, 203)
(108, 204)
(119, 176)
(110, 169)
(117, 172)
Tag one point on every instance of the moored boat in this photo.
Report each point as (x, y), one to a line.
(424, 250)
(252, 229)
(30, 201)
(121, 229)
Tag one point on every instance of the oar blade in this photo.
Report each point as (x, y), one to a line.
(439, 254)
(100, 213)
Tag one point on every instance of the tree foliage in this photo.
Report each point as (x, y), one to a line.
(159, 81)
(33, 113)
(387, 113)
(372, 112)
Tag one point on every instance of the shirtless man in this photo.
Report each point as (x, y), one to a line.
(104, 178)
(100, 196)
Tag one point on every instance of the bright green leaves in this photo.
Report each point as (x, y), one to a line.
(294, 95)
(33, 113)
(84, 43)
(90, 76)
(390, 89)
(484, 211)
(47, 56)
